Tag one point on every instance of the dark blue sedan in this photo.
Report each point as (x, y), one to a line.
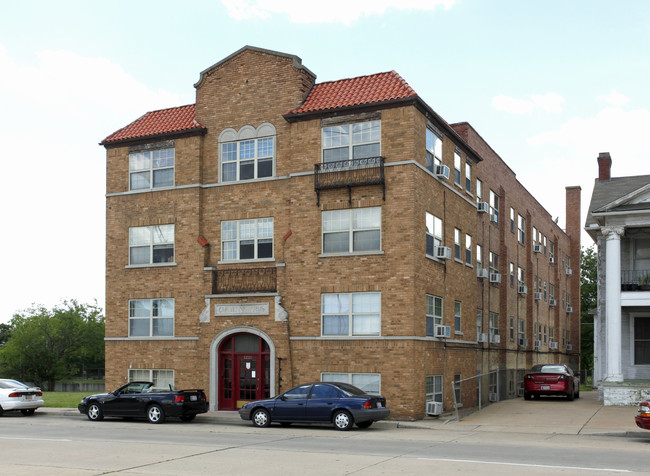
(341, 404)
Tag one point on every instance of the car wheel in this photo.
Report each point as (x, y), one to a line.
(342, 420)
(188, 417)
(95, 412)
(527, 396)
(155, 413)
(1, 410)
(364, 424)
(261, 418)
(570, 396)
(28, 411)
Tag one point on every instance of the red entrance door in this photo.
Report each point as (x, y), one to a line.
(243, 371)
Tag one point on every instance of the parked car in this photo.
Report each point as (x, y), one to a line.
(643, 416)
(143, 400)
(551, 379)
(341, 404)
(15, 395)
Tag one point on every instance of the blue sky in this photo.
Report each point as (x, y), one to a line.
(549, 85)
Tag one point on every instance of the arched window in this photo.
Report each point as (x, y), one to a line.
(247, 154)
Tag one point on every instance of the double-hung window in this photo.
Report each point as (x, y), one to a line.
(434, 233)
(494, 206)
(351, 314)
(369, 383)
(457, 316)
(521, 277)
(494, 262)
(521, 330)
(434, 388)
(512, 274)
(494, 324)
(151, 317)
(161, 378)
(641, 340)
(352, 230)
(512, 219)
(151, 169)
(479, 191)
(434, 150)
(457, 244)
(433, 313)
(457, 167)
(479, 322)
(479, 257)
(468, 249)
(521, 225)
(352, 141)
(247, 239)
(247, 154)
(151, 244)
(468, 177)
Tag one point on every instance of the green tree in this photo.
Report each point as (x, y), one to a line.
(47, 345)
(588, 302)
(5, 332)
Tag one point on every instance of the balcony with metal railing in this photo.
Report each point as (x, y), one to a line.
(635, 280)
(245, 280)
(348, 174)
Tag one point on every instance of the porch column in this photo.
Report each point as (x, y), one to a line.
(613, 302)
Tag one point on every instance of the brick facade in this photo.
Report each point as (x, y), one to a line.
(254, 87)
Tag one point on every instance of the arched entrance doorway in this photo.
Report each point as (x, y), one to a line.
(244, 370)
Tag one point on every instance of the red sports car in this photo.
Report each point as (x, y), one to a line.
(551, 379)
(643, 417)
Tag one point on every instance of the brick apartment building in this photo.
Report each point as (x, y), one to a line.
(280, 231)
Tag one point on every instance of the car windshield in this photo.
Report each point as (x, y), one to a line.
(11, 384)
(550, 369)
(350, 390)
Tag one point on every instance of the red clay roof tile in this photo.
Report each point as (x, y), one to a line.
(163, 121)
(355, 91)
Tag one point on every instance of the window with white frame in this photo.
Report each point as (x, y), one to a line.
(521, 226)
(534, 236)
(468, 177)
(512, 328)
(494, 206)
(151, 317)
(512, 219)
(247, 154)
(351, 141)
(521, 329)
(434, 150)
(433, 388)
(551, 291)
(512, 274)
(521, 277)
(368, 382)
(150, 169)
(494, 324)
(479, 256)
(494, 262)
(161, 378)
(456, 243)
(433, 313)
(479, 322)
(151, 244)
(479, 190)
(434, 233)
(457, 167)
(352, 230)
(457, 317)
(468, 249)
(351, 314)
(247, 239)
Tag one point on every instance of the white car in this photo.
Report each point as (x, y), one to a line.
(15, 395)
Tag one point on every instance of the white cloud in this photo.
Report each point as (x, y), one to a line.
(334, 11)
(549, 102)
(614, 98)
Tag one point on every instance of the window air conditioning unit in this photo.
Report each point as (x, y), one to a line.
(495, 339)
(483, 207)
(523, 342)
(442, 252)
(494, 218)
(537, 248)
(493, 397)
(522, 289)
(552, 302)
(569, 347)
(482, 337)
(569, 309)
(552, 259)
(442, 331)
(553, 345)
(434, 408)
(495, 278)
(569, 272)
(442, 171)
(538, 296)
(537, 343)
(482, 273)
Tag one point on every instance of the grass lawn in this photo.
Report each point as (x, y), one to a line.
(64, 399)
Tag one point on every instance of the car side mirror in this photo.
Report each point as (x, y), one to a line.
(283, 398)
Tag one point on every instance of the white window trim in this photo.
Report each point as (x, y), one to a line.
(255, 240)
(351, 230)
(151, 371)
(350, 375)
(151, 318)
(437, 319)
(151, 247)
(229, 135)
(351, 315)
(151, 170)
(351, 143)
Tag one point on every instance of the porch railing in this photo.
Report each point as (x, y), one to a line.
(349, 173)
(635, 279)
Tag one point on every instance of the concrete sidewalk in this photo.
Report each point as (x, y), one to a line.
(550, 415)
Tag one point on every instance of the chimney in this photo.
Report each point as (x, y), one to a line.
(604, 166)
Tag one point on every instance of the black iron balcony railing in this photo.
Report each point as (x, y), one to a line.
(247, 280)
(635, 280)
(348, 174)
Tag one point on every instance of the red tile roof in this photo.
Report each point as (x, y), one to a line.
(163, 121)
(358, 91)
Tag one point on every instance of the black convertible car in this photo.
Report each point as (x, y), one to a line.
(142, 400)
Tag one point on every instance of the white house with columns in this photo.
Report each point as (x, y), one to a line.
(619, 222)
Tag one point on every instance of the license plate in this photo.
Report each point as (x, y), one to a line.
(545, 387)
(28, 397)
(378, 404)
(193, 398)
